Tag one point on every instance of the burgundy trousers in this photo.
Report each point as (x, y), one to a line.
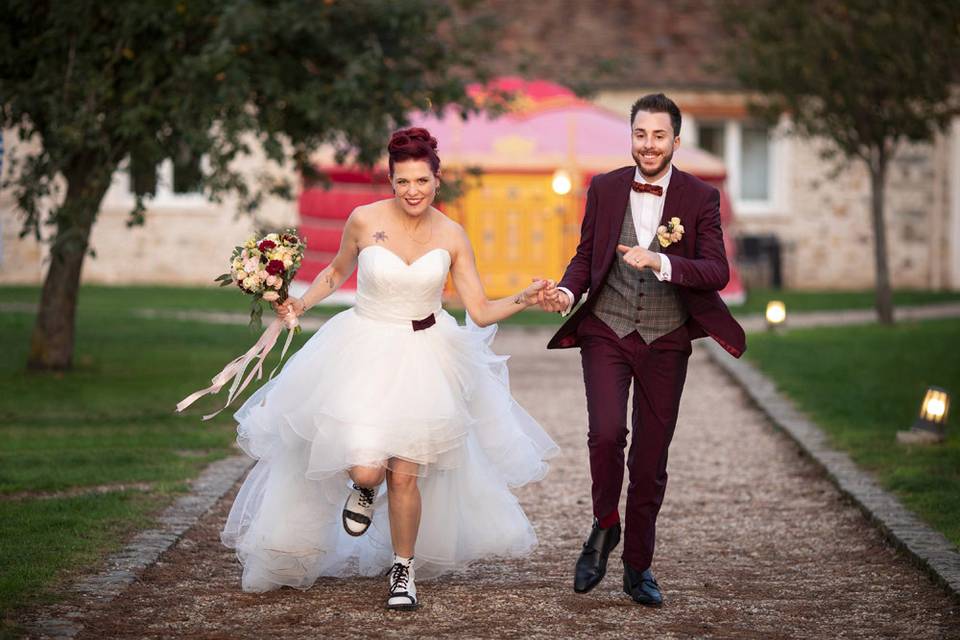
(657, 371)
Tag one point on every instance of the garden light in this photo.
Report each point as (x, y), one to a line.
(930, 425)
(776, 314)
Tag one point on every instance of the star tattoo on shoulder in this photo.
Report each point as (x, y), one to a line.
(380, 236)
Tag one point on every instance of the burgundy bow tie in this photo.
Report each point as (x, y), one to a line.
(644, 187)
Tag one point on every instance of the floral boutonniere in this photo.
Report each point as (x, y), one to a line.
(670, 233)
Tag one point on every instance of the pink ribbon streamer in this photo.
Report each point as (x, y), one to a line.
(235, 370)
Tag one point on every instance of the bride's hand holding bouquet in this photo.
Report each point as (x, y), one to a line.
(263, 269)
(290, 307)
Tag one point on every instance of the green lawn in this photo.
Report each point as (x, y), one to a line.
(111, 421)
(862, 385)
(835, 300)
(42, 542)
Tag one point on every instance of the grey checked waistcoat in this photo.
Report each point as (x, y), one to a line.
(636, 300)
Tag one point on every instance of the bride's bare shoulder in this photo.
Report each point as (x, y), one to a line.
(447, 225)
(366, 216)
(453, 237)
(364, 213)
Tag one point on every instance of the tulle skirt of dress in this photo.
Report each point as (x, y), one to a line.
(362, 391)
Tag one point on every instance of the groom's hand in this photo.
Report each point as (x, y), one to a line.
(640, 258)
(548, 293)
(553, 299)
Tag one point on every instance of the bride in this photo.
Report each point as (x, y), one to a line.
(395, 392)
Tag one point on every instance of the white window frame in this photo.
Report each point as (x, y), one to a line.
(165, 195)
(776, 203)
(121, 191)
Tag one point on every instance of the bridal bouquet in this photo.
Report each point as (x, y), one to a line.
(263, 269)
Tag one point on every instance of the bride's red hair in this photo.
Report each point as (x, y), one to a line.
(414, 143)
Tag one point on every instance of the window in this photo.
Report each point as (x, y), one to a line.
(173, 183)
(754, 164)
(178, 176)
(187, 178)
(143, 176)
(753, 156)
(711, 138)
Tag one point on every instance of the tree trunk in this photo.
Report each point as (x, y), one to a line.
(51, 345)
(884, 295)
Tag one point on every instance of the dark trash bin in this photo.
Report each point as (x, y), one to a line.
(759, 260)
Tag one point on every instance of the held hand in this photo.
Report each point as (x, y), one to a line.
(552, 299)
(292, 305)
(639, 258)
(531, 295)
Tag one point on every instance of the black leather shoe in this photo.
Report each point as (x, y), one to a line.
(592, 563)
(641, 586)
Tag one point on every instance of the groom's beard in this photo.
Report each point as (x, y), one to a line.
(660, 167)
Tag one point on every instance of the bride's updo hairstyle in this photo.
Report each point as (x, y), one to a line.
(414, 143)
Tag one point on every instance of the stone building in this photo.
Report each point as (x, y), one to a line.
(185, 240)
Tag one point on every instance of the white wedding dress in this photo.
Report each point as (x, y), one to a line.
(368, 387)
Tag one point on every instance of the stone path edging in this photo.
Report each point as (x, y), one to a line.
(121, 569)
(930, 549)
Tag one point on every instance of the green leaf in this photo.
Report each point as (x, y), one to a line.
(256, 314)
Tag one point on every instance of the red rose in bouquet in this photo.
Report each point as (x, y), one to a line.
(275, 267)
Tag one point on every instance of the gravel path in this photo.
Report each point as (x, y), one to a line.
(753, 543)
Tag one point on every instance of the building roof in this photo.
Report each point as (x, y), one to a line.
(612, 44)
(548, 127)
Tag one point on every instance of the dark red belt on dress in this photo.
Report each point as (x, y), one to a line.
(426, 323)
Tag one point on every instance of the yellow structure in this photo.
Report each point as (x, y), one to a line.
(520, 228)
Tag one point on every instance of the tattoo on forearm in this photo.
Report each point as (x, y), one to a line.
(329, 281)
(380, 236)
(518, 299)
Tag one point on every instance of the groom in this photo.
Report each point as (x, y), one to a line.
(652, 289)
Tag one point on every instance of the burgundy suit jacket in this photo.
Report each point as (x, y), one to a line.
(698, 260)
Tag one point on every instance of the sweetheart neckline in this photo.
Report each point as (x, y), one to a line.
(398, 257)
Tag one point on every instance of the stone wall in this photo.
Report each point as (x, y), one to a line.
(826, 228)
(185, 240)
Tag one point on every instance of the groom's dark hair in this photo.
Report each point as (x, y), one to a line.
(658, 103)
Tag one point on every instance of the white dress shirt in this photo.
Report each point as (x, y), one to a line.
(646, 210)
